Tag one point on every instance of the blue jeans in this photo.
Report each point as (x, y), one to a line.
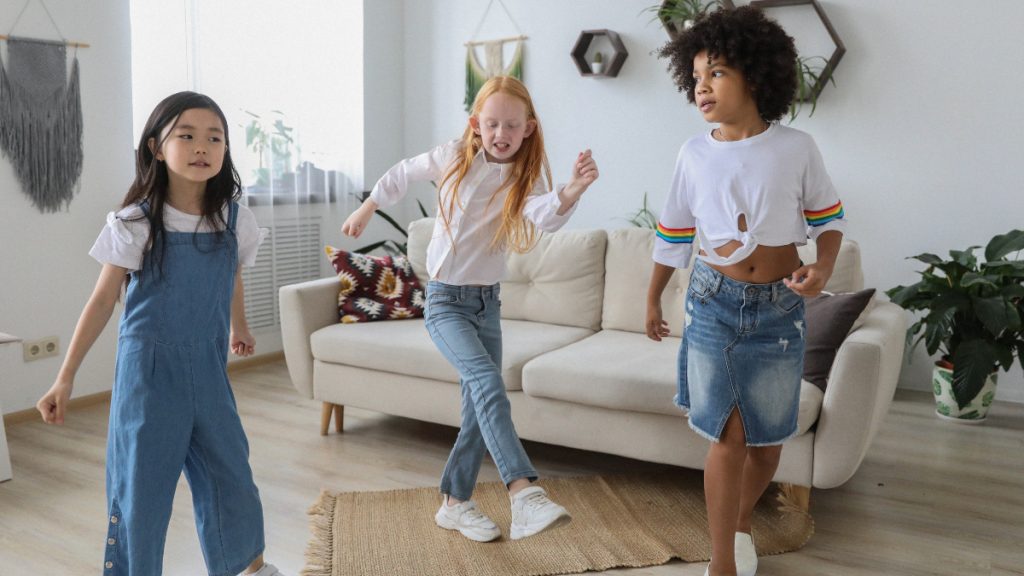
(465, 324)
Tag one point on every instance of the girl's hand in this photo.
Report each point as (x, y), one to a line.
(809, 280)
(242, 343)
(584, 172)
(655, 326)
(356, 223)
(54, 403)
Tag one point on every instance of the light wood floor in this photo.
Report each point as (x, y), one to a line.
(932, 498)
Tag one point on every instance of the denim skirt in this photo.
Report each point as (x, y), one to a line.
(742, 348)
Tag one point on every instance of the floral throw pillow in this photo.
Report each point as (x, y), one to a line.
(375, 287)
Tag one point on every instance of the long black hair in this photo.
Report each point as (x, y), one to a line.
(151, 179)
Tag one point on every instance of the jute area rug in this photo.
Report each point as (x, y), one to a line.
(618, 521)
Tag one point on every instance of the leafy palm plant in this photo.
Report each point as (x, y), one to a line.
(644, 217)
(807, 78)
(392, 247)
(973, 310)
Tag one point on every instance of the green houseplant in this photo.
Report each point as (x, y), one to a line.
(678, 15)
(973, 316)
(392, 247)
(808, 75)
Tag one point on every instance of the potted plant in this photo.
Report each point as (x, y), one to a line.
(597, 66)
(973, 316)
(678, 15)
(807, 78)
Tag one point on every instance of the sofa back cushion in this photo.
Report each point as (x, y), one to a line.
(561, 281)
(628, 267)
(419, 238)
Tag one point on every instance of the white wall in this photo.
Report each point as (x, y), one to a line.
(45, 275)
(920, 134)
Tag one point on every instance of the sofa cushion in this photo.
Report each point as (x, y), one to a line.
(420, 232)
(560, 281)
(847, 275)
(829, 318)
(623, 370)
(405, 347)
(628, 267)
(375, 287)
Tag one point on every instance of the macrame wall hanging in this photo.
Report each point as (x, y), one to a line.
(494, 54)
(41, 117)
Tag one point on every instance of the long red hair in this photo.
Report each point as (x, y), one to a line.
(515, 231)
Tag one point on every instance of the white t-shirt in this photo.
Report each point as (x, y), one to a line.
(469, 260)
(122, 241)
(775, 180)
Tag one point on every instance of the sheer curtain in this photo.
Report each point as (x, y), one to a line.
(288, 75)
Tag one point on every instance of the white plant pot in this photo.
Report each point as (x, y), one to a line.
(946, 406)
(597, 67)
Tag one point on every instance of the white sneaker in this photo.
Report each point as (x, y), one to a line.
(469, 521)
(533, 512)
(746, 555)
(266, 570)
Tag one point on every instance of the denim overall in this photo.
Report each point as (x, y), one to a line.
(172, 408)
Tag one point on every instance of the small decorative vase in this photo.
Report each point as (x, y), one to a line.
(597, 67)
(946, 406)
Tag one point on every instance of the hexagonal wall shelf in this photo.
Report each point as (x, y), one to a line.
(614, 63)
(671, 28)
(837, 54)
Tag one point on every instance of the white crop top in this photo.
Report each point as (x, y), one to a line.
(775, 180)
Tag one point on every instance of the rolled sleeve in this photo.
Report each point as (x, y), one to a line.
(250, 236)
(122, 241)
(822, 208)
(677, 226)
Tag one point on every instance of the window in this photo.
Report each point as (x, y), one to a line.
(288, 76)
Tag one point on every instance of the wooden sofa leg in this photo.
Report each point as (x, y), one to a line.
(325, 417)
(797, 496)
(339, 418)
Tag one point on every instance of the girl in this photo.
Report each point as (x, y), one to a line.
(491, 198)
(180, 237)
(750, 190)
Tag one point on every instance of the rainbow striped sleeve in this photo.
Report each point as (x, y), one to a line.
(821, 217)
(676, 235)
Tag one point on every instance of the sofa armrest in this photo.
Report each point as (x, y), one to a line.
(859, 392)
(305, 308)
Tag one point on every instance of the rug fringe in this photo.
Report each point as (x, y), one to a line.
(320, 552)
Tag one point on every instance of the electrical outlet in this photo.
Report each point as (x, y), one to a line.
(42, 348)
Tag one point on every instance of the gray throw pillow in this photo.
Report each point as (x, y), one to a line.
(827, 320)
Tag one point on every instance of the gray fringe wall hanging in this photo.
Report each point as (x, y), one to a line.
(41, 120)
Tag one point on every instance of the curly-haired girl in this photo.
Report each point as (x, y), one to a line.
(751, 191)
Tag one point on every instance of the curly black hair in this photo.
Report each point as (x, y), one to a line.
(748, 41)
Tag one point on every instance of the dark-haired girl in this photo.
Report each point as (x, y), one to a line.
(178, 240)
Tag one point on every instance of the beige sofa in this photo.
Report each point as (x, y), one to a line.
(578, 368)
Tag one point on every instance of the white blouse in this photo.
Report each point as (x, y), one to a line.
(776, 181)
(122, 241)
(469, 258)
